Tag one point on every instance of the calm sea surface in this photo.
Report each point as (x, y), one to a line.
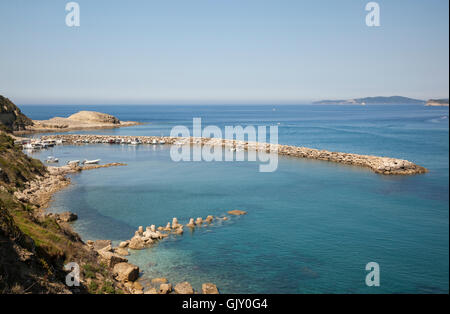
(311, 227)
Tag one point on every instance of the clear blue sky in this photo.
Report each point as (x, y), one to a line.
(221, 51)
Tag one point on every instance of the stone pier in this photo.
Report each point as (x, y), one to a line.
(380, 165)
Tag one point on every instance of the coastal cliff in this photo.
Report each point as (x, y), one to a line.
(35, 245)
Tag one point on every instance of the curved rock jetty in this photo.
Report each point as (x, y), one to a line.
(380, 165)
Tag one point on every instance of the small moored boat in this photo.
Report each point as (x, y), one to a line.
(90, 162)
(136, 141)
(51, 159)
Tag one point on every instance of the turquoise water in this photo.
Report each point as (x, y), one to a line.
(311, 227)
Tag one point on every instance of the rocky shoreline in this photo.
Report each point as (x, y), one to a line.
(380, 165)
(38, 193)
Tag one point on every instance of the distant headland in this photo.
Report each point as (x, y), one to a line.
(379, 100)
(437, 103)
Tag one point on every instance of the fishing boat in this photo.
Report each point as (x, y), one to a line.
(73, 162)
(90, 162)
(37, 145)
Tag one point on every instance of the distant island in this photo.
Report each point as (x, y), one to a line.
(379, 100)
(79, 121)
(437, 103)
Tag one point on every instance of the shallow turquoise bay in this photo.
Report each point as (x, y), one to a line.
(311, 226)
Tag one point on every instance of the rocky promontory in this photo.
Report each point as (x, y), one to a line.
(437, 103)
(79, 121)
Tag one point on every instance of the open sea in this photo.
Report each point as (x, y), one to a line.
(311, 227)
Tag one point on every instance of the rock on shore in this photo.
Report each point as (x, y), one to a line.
(209, 288)
(126, 272)
(184, 288)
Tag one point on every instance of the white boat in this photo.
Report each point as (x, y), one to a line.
(135, 142)
(49, 143)
(28, 146)
(154, 142)
(181, 142)
(73, 162)
(51, 159)
(162, 142)
(91, 162)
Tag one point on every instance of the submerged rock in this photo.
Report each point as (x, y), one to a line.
(159, 280)
(237, 212)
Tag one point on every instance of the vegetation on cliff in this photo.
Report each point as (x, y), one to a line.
(34, 247)
(11, 118)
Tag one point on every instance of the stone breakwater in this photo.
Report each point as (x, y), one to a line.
(151, 235)
(114, 257)
(380, 165)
